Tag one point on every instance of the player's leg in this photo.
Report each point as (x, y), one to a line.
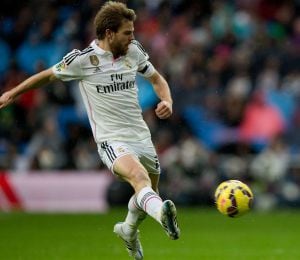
(129, 168)
(135, 214)
(128, 230)
(123, 162)
(134, 217)
(110, 153)
(168, 213)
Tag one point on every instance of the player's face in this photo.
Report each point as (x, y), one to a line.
(122, 38)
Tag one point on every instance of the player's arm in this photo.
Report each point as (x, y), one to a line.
(38, 80)
(160, 85)
(162, 90)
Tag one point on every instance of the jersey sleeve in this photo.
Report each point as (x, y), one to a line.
(69, 68)
(145, 67)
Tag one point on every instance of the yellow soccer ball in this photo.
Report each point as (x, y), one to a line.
(233, 198)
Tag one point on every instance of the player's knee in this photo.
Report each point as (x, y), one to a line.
(140, 178)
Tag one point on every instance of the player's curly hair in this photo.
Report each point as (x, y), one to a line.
(111, 16)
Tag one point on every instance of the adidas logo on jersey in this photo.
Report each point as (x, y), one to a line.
(97, 69)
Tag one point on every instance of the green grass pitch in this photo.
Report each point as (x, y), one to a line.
(206, 234)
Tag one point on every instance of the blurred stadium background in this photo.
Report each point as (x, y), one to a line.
(233, 68)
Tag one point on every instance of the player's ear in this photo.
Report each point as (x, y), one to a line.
(109, 34)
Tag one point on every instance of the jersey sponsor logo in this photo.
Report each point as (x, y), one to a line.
(94, 60)
(115, 86)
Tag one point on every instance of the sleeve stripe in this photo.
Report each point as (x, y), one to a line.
(71, 59)
(87, 50)
(140, 47)
(71, 56)
(67, 58)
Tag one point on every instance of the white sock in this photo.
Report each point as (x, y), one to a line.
(134, 217)
(150, 202)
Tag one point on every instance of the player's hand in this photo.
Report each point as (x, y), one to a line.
(164, 109)
(6, 99)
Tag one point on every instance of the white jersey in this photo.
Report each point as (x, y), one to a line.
(109, 90)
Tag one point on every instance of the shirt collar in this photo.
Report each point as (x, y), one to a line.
(97, 49)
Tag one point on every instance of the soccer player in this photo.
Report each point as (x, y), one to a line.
(106, 71)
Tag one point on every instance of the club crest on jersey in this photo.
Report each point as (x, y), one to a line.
(94, 60)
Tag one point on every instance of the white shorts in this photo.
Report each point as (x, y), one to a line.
(143, 150)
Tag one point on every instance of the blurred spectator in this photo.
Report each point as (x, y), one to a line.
(5, 57)
(271, 165)
(261, 122)
(45, 150)
(269, 170)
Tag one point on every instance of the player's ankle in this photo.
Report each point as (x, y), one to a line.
(129, 229)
